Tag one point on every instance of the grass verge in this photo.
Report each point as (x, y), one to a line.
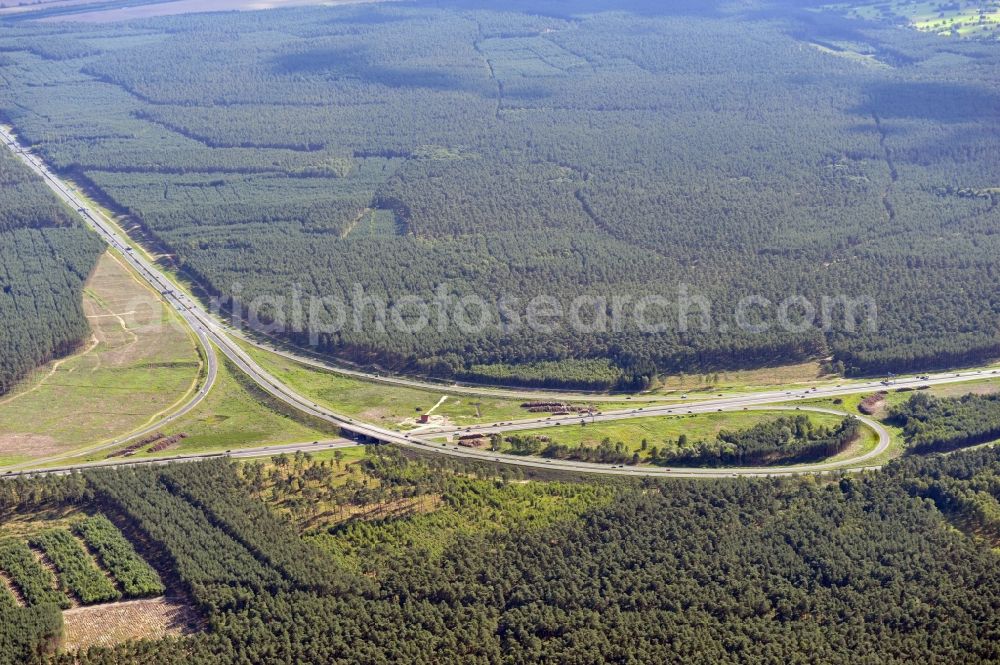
(235, 414)
(657, 430)
(141, 363)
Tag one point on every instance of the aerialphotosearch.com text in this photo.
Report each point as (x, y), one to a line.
(443, 310)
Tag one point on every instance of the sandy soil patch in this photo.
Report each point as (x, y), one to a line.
(115, 623)
(958, 390)
(27, 445)
(782, 375)
(375, 414)
(128, 319)
(432, 422)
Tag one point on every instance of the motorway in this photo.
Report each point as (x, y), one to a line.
(213, 332)
(775, 399)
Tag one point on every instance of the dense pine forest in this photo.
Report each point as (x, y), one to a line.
(934, 424)
(552, 148)
(888, 567)
(45, 258)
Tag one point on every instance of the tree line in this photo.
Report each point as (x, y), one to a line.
(45, 258)
(940, 424)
